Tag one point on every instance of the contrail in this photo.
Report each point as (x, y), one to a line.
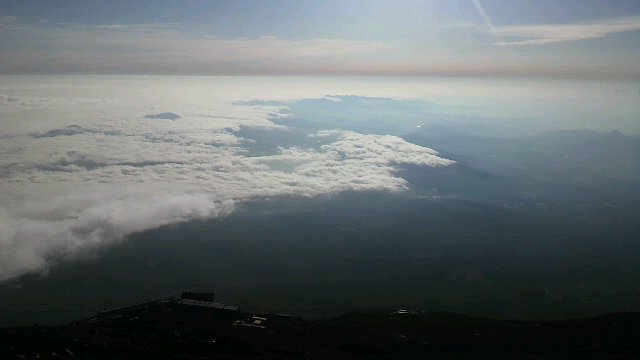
(488, 21)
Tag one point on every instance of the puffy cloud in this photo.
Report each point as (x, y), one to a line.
(384, 148)
(71, 189)
(30, 244)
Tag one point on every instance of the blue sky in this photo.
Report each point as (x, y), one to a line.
(586, 38)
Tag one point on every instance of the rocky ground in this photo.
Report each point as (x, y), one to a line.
(168, 330)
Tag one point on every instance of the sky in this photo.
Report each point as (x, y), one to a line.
(515, 38)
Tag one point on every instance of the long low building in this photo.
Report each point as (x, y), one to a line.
(129, 307)
(207, 304)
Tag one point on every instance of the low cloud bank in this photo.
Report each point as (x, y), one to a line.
(71, 190)
(28, 245)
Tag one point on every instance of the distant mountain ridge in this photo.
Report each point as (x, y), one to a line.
(169, 330)
(568, 155)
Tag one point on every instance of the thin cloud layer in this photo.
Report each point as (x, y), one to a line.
(555, 33)
(457, 46)
(72, 189)
(153, 48)
(6, 19)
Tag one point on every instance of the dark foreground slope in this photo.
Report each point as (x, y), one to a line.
(168, 330)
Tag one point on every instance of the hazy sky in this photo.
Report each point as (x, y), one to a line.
(586, 38)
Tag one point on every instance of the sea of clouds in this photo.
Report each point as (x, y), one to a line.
(81, 167)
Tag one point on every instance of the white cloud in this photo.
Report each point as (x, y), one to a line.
(91, 185)
(387, 149)
(555, 33)
(28, 244)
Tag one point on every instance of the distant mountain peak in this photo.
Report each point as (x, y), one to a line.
(580, 133)
(164, 115)
(65, 131)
